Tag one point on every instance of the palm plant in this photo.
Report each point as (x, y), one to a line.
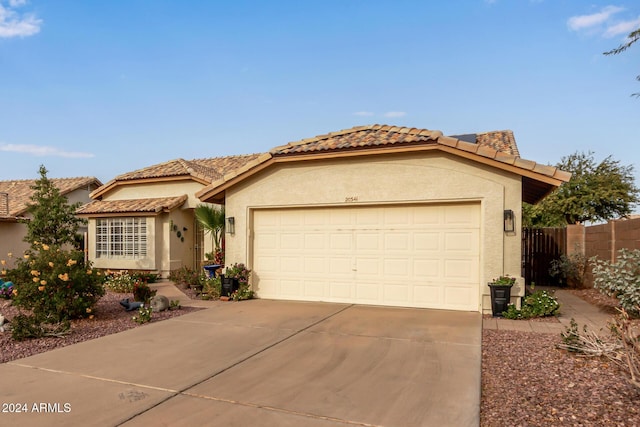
(212, 221)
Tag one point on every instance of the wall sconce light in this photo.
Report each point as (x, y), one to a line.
(509, 221)
(231, 225)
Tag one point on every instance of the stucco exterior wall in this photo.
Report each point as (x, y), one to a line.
(166, 250)
(432, 177)
(11, 235)
(150, 190)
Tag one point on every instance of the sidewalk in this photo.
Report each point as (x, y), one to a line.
(571, 306)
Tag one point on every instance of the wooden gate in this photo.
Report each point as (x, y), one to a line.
(540, 246)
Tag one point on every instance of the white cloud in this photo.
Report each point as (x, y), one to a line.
(13, 24)
(395, 114)
(623, 28)
(43, 151)
(582, 22)
(363, 113)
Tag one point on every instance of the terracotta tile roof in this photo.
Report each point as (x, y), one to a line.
(154, 205)
(204, 170)
(497, 148)
(383, 135)
(360, 137)
(17, 193)
(207, 169)
(499, 140)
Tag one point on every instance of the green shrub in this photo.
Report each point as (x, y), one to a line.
(142, 292)
(144, 315)
(211, 288)
(620, 279)
(145, 276)
(188, 277)
(53, 285)
(120, 281)
(569, 269)
(538, 304)
(242, 274)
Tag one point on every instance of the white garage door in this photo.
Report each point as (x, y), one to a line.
(411, 255)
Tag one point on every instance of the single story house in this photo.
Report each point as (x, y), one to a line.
(15, 195)
(382, 215)
(144, 220)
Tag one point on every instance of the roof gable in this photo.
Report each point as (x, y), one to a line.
(204, 171)
(132, 207)
(15, 195)
(497, 149)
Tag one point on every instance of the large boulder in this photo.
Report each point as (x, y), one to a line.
(160, 303)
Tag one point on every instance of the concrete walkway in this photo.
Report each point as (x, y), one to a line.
(571, 306)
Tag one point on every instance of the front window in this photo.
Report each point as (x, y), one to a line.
(121, 237)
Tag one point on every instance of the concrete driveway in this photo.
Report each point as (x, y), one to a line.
(263, 363)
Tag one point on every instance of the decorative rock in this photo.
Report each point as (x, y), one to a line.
(160, 303)
(130, 306)
(4, 324)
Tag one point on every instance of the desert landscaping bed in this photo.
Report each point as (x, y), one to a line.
(109, 317)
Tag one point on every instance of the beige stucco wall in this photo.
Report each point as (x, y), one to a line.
(432, 177)
(11, 235)
(166, 250)
(157, 189)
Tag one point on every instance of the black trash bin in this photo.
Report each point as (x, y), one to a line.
(229, 286)
(500, 298)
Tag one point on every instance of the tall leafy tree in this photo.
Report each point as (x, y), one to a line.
(633, 37)
(595, 192)
(53, 220)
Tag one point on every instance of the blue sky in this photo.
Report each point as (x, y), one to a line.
(99, 88)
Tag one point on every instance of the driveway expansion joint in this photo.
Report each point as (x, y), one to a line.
(286, 338)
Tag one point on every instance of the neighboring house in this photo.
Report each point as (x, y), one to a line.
(144, 220)
(14, 198)
(383, 215)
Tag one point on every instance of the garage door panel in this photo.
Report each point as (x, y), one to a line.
(397, 242)
(396, 293)
(426, 241)
(396, 268)
(341, 291)
(314, 241)
(314, 289)
(343, 241)
(416, 256)
(290, 264)
(368, 267)
(369, 292)
(313, 265)
(339, 267)
(290, 241)
(426, 268)
(461, 216)
(460, 241)
(457, 269)
(368, 241)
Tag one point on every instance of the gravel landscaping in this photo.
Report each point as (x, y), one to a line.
(109, 318)
(526, 380)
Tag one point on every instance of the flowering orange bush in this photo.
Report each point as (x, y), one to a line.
(55, 284)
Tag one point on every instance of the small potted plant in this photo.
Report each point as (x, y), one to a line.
(501, 294)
